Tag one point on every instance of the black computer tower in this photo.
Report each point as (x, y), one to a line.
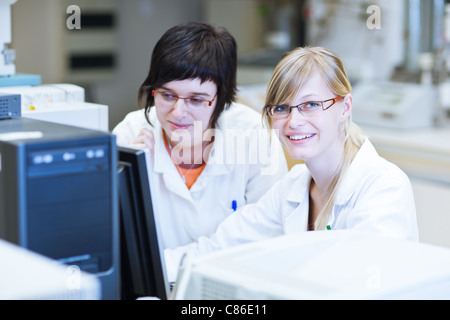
(58, 195)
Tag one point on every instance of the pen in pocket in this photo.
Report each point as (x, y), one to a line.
(234, 205)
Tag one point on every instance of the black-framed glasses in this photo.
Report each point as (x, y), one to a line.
(306, 108)
(169, 99)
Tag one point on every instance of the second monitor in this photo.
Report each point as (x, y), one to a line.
(142, 262)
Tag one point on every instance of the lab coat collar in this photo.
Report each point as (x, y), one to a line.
(299, 190)
(360, 164)
(300, 186)
(358, 168)
(221, 148)
(163, 164)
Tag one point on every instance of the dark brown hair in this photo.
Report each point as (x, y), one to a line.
(189, 51)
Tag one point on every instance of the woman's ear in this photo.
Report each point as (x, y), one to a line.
(347, 106)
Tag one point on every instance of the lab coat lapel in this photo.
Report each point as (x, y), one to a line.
(299, 190)
(356, 170)
(214, 167)
(298, 195)
(300, 185)
(164, 166)
(217, 161)
(297, 220)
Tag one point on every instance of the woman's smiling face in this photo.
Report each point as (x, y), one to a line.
(319, 134)
(179, 116)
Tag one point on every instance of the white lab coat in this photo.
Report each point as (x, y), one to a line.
(184, 215)
(375, 196)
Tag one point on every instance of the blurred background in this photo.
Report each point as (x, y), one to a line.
(396, 54)
(109, 56)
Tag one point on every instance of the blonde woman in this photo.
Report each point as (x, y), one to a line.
(343, 183)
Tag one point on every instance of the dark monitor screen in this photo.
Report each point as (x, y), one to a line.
(142, 262)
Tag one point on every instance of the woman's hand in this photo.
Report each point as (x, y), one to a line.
(144, 140)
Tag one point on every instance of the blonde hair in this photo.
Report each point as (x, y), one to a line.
(291, 73)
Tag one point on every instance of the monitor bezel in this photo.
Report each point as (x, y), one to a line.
(142, 261)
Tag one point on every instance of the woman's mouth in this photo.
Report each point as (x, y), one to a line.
(178, 126)
(300, 137)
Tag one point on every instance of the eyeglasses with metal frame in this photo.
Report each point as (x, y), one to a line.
(171, 99)
(305, 108)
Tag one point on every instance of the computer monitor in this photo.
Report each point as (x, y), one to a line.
(142, 262)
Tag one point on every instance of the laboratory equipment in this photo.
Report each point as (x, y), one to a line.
(334, 264)
(9, 106)
(424, 23)
(8, 76)
(394, 105)
(142, 263)
(61, 103)
(7, 56)
(58, 194)
(26, 275)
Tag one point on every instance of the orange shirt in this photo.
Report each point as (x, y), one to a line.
(189, 175)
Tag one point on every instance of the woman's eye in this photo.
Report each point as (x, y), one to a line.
(169, 96)
(312, 105)
(280, 109)
(196, 101)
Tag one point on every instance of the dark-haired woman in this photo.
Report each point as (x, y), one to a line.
(209, 154)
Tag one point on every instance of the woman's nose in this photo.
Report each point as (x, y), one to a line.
(179, 108)
(296, 118)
